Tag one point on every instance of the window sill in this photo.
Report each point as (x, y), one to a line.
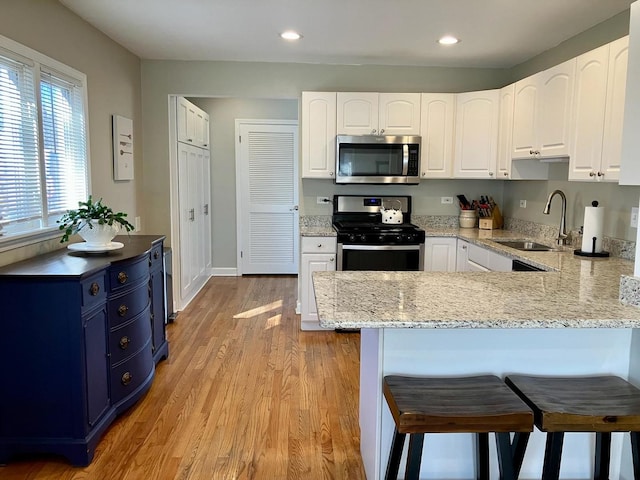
(11, 242)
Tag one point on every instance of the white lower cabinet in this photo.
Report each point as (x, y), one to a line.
(473, 258)
(318, 255)
(440, 254)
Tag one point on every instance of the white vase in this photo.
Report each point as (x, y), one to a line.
(98, 235)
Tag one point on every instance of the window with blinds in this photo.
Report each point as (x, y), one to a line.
(43, 148)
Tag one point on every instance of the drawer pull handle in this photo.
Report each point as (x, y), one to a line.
(124, 342)
(94, 289)
(126, 378)
(122, 277)
(122, 310)
(156, 255)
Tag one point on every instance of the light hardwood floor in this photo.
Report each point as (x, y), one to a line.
(244, 395)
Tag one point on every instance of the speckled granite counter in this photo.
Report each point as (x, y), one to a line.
(574, 292)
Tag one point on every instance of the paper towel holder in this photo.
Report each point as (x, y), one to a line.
(592, 253)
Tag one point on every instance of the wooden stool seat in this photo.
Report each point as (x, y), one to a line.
(600, 404)
(479, 404)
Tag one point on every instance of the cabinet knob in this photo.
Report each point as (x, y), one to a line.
(156, 255)
(491, 174)
(600, 174)
(124, 342)
(424, 174)
(122, 277)
(505, 174)
(122, 310)
(319, 245)
(331, 174)
(381, 131)
(373, 132)
(331, 259)
(94, 289)
(592, 174)
(126, 378)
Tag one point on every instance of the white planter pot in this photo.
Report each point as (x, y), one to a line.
(98, 235)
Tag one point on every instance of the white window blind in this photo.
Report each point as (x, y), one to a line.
(43, 148)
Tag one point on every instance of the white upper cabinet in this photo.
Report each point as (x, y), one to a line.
(192, 124)
(476, 134)
(505, 132)
(542, 113)
(630, 166)
(598, 113)
(614, 111)
(370, 113)
(318, 134)
(436, 129)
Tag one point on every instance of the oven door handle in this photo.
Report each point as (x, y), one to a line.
(380, 247)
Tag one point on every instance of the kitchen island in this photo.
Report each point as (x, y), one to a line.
(565, 321)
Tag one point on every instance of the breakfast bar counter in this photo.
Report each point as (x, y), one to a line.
(565, 321)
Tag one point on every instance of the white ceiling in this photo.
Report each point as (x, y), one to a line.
(494, 33)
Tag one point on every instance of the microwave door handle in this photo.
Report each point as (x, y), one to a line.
(405, 160)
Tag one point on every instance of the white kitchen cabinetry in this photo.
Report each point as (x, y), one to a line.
(318, 255)
(542, 113)
(193, 256)
(437, 115)
(476, 136)
(630, 167)
(601, 76)
(192, 124)
(318, 134)
(473, 258)
(440, 254)
(370, 113)
(505, 132)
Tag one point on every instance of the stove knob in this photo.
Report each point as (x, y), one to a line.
(352, 238)
(381, 238)
(363, 238)
(399, 238)
(411, 237)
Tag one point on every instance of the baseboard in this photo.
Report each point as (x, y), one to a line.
(224, 272)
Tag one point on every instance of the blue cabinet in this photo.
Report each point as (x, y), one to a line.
(78, 346)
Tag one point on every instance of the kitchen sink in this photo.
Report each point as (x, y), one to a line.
(525, 245)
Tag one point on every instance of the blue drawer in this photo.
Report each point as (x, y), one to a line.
(129, 338)
(123, 308)
(124, 274)
(128, 376)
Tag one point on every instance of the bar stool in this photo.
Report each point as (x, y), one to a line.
(479, 404)
(600, 404)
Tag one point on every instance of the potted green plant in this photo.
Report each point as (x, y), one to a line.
(96, 223)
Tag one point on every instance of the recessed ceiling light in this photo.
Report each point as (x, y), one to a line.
(291, 35)
(448, 40)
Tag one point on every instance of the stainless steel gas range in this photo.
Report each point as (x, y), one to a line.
(366, 243)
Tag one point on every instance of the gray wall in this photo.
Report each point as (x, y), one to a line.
(113, 77)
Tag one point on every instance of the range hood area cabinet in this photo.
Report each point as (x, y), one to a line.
(371, 113)
(596, 143)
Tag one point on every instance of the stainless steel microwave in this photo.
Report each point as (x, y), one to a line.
(376, 159)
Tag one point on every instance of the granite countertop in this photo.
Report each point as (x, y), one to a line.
(574, 292)
(317, 231)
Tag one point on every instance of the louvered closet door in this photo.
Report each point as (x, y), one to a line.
(269, 205)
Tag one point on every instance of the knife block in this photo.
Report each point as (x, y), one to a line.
(493, 222)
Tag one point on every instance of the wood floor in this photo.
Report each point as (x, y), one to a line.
(244, 395)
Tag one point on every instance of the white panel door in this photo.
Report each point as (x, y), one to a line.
(357, 113)
(268, 175)
(189, 171)
(436, 129)
(555, 107)
(399, 113)
(318, 134)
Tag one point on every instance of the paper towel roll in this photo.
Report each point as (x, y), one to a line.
(593, 227)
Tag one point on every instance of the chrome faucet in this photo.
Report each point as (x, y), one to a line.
(562, 233)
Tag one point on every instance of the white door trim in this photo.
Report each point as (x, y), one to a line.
(239, 190)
